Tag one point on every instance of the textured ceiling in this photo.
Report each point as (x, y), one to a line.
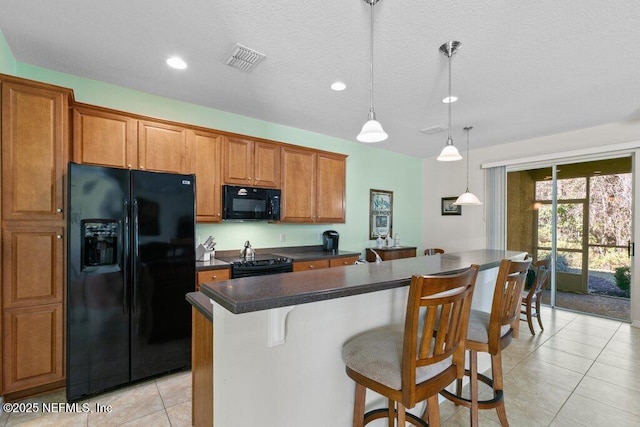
(525, 69)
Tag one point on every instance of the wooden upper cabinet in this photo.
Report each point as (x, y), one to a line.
(266, 165)
(298, 185)
(32, 266)
(35, 151)
(253, 163)
(331, 188)
(206, 164)
(104, 138)
(162, 147)
(313, 186)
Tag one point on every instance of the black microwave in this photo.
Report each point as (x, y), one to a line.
(250, 203)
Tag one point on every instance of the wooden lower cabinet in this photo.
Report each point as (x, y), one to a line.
(201, 370)
(310, 265)
(388, 254)
(341, 262)
(33, 344)
(217, 275)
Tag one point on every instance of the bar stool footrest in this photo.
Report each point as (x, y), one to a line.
(384, 413)
(498, 397)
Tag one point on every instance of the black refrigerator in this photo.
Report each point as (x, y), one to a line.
(131, 260)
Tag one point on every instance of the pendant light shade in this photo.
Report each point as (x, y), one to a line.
(372, 130)
(449, 152)
(467, 198)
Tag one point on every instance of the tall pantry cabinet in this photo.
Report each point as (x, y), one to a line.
(35, 151)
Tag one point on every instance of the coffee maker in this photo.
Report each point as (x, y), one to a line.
(330, 241)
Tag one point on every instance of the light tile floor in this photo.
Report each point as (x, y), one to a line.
(580, 371)
(165, 401)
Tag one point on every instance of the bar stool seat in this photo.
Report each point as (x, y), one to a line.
(413, 363)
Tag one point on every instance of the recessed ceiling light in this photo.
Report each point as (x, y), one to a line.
(338, 86)
(449, 99)
(177, 63)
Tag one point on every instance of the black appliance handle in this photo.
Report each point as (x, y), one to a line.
(136, 253)
(125, 253)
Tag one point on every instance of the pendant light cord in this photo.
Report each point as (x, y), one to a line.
(371, 60)
(450, 55)
(468, 129)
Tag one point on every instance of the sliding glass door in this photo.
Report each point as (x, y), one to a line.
(578, 214)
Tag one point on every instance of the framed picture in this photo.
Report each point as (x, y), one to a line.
(380, 213)
(448, 208)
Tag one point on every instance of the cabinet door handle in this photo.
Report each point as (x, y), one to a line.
(59, 210)
(142, 167)
(129, 165)
(311, 266)
(58, 236)
(214, 277)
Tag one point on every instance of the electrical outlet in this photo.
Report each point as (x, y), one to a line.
(283, 237)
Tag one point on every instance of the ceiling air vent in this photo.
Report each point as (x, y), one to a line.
(244, 58)
(434, 129)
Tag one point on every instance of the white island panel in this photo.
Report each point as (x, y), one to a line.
(303, 381)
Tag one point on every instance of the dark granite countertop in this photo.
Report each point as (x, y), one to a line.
(296, 253)
(214, 264)
(280, 290)
(309, 255)
(201, 302)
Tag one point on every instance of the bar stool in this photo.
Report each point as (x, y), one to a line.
(433, 251)
(411, 364)
(491, 333)
(534, 295)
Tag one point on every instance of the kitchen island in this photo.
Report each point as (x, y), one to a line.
(278, 339)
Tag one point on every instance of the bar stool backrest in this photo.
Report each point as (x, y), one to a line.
(445, 302)
(507, 296)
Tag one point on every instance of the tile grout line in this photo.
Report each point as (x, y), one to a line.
(585, 374)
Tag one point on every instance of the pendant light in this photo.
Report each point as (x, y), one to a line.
(449, 153)
(467, 198)
(372, 130)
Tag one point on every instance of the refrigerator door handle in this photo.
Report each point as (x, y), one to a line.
(125, 256)
(136, 253)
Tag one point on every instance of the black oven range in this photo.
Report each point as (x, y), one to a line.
(261, 265)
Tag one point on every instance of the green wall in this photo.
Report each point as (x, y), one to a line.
(7, 60)
(367, 167)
